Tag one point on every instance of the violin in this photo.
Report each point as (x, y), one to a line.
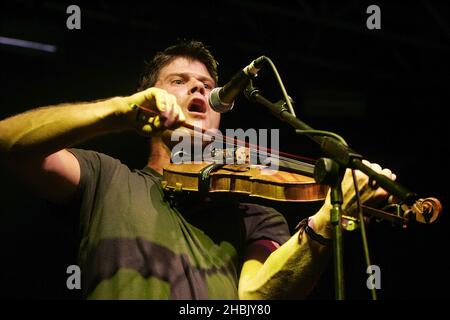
(293, 182)
(233, 170)
(243, 179)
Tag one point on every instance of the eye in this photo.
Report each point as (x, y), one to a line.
(207, 85)
(177, 81)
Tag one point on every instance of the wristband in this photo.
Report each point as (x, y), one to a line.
(312, 234)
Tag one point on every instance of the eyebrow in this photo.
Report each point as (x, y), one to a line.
(188, 74)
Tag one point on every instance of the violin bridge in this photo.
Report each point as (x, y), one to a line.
(231, 155)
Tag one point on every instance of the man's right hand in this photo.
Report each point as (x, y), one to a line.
(153, 110)
(32, 144)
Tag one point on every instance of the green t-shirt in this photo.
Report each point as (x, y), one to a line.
(135, 244)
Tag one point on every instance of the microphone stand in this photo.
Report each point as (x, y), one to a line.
(330, 171)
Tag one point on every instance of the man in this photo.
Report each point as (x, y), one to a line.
(135, 244)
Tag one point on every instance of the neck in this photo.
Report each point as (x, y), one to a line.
(159, 156)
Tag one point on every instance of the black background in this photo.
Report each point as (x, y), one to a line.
(384, 90)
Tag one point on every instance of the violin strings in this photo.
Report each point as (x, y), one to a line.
(234, 141)
(283, 157)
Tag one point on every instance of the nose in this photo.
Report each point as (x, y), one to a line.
(197, 86)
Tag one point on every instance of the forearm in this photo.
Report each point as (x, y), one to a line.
(293, 269)
(43, 131)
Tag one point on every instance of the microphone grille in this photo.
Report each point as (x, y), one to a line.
(217, 104)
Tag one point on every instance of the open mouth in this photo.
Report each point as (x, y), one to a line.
(197, 106)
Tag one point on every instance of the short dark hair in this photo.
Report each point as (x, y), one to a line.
(191, 49)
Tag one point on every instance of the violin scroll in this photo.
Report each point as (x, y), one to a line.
(425, 210)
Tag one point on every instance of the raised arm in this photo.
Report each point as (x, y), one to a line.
(32, 144)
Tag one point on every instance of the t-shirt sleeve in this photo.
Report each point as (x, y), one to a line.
(96, 170)
(265, 223)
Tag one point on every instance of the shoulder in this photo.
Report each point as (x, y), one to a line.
(96, 161)
(92, 156)
(97, 168)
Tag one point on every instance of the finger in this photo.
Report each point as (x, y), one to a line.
(175, 110)
(174, 119)
(157, 122)
(380, 194)
(368, 164)
(376, 167)
(175, 116)
(160, 100)
(147, 129)
(145, 99)
(180, 113)
(168, 117)
(182, 117)
(361, 178)
(387, 172)
(373, 183)
(154, 122)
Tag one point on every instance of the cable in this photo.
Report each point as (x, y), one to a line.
(283, 89)
(291, 109)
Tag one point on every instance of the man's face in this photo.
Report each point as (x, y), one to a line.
(190, 82)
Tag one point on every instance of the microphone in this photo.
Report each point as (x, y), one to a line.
(221, 99)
